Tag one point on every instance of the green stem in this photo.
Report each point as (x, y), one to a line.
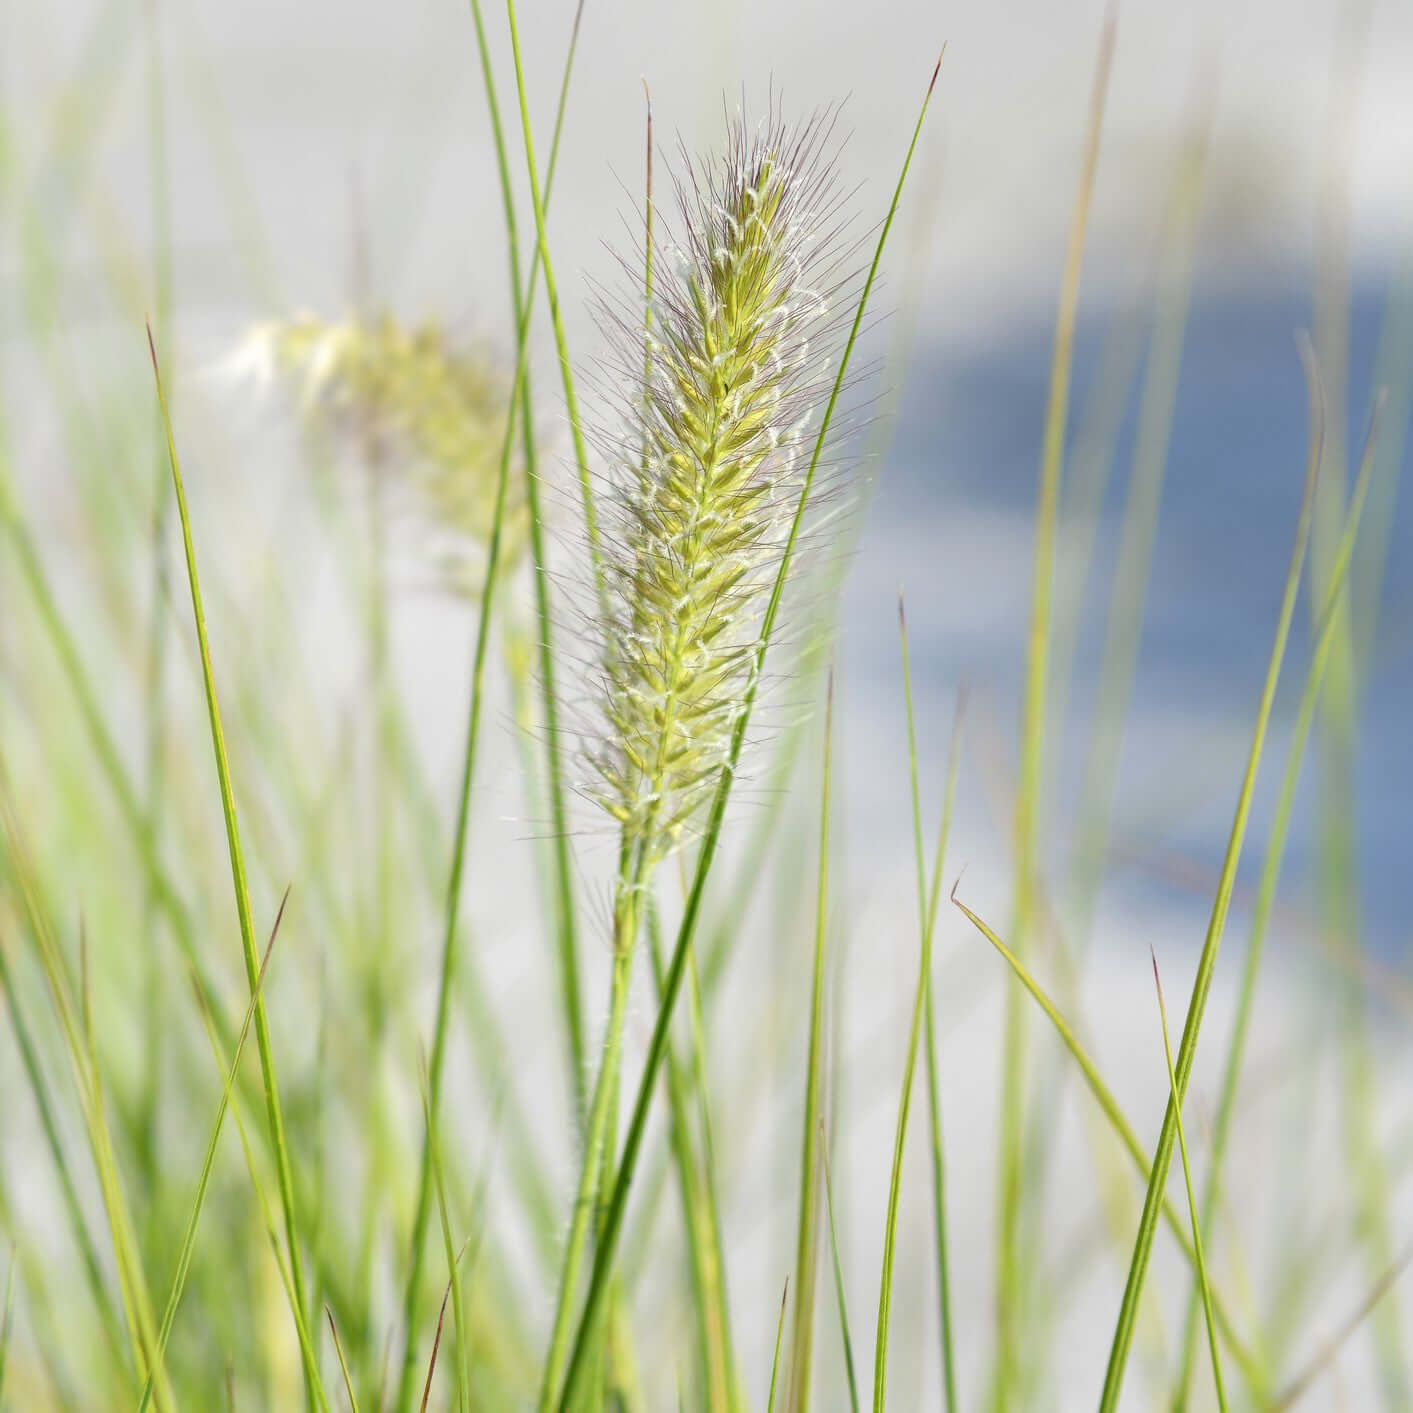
(934, 1082)
(422, 1212)
(585, 1201)
(581, 455)
(570, 985)
(807, 1238)
(880, 1348)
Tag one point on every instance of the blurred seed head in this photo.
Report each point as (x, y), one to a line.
(424, 411)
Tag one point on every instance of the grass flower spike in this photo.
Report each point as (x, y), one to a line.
(725, 367)
(706, 461)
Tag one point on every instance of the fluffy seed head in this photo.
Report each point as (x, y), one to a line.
(434, 411)
(707, 457)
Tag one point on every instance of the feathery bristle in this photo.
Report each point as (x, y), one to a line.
(707, 460)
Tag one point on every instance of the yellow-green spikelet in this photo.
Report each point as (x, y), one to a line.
(706, 465)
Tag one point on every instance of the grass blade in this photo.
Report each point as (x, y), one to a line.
(446, 975)
(807, 1238)
(343, 1362)
(581, 455)
(1143, 1244)
(436, 1348)
(458, 1311)
(934, 1081)
(274, 1113)
(885, 1294)
(1191, 1196)
(699, 1217)
(775, 1362)
(571, 992)
(1121, 1126)
(1270, 876)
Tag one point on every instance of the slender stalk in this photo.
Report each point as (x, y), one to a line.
(570, 985)
(807, 1238)
(407, 1379)
(921, 1009)
(581, 455)
(585, 1201)
(880, 1351)
(700, 1248)
(720, 1284)
(934, 1082)
(1009, 1266)
(274, 1112)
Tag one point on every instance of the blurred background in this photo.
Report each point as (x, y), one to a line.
(216, 166)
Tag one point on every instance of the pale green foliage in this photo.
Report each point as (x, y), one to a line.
(707, 464)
